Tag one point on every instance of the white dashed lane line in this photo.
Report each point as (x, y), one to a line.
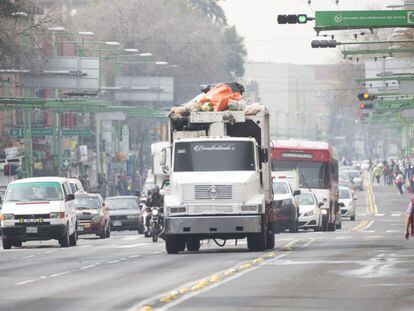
(395, 215)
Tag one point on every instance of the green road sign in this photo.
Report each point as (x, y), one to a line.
(66, 163)
(48, 131)
(342, 20)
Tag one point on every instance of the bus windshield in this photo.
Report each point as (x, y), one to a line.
(311, 174)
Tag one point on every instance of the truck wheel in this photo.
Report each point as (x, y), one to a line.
(102, 235)
(64, 240)
(174, 244)
(324, 224)
(7, 244)
(353, 218)
(270, 240)
(339, 226)
(193, 245)
(73, 239)
(108, 231)
(256, 242)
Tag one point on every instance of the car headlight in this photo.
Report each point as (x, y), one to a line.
(310, 213)
(249, 208)
(154, 212)
(96, 218)
(178, 210)
(132, 216)
(6, 216)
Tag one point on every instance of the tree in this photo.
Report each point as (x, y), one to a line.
(189, 34)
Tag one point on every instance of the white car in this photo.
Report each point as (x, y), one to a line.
(310, 215)
(347, 202)
(40, 208)
(355, 177)
(77, 186)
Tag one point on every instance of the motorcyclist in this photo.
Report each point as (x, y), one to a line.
(154, 200)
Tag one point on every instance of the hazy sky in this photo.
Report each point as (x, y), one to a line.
(256, 21)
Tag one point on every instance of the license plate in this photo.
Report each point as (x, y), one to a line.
(117, 223)
(31, 229)
(80, 228)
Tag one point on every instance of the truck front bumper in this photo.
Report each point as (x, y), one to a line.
(214, 225)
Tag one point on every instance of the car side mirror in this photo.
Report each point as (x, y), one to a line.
(296, 193)
(70, 197)
(341, 204)
(320, 204)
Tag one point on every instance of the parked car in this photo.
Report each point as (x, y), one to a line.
(310, 216)
(93, 216)
(347, 202)
(285, 206)
(125, 213)
(40, 208)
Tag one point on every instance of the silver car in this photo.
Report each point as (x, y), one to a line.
(347, 202)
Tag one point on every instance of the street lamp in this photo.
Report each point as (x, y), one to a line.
(57, 29)
(161, 63)
(131, 50)
(86, 33)
(112, 43)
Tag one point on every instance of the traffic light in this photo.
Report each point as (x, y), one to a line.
(366, 96)
(293, 19)
(323, 44)
(366, 106)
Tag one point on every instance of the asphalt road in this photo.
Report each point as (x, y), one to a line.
(367, 265)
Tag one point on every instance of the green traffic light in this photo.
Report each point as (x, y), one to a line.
(302, 19)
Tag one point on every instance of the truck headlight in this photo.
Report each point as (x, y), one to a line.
(154, 212)
(249, 208)
(178, 209)
(6, 216)
(324, 211)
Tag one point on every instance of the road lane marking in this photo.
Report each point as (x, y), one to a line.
(394, 231)
(27, 257)
(58, 274)
(25, 282)
(343, 237)
(49, 252)
(367, 226)
(113, 261)
(379, 215)
(395, 215)
(134, 256)
(387, 284)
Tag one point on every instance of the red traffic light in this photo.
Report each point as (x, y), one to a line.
(366, 106)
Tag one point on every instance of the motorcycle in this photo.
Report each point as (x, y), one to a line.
(156, 223)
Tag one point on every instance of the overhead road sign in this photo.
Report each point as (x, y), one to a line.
(370, 19)
(388, 78)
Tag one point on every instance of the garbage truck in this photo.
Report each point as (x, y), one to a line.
(220, 180)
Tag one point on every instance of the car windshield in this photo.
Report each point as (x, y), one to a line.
(214, 156)
(311, 174)
(280, 188)
(87, 203)
(34, 191)
(306, 199)
(121, 203)
(344, 194)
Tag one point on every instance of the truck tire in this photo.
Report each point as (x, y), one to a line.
(270, 240)
(324, 226)
(353, 218)
(193, 245)
(293, 228)
(141, 228)
(174, 244)
(256, 242)
(7, 244)
(64, 239)
(18, 243)
(108, 231)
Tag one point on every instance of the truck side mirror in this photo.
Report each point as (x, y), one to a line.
(320, 204)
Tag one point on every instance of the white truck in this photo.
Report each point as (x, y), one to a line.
(220, 180)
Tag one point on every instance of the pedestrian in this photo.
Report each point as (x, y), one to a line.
(409, 222)
(377, 173)
(399, 181)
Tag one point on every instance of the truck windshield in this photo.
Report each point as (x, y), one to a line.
(311, 174)
(34, 191)
(214, 156)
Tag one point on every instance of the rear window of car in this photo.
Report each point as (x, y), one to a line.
(122, 203)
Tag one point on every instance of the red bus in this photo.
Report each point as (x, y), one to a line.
(317, 164)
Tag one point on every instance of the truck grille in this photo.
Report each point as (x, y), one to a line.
(213, 192)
